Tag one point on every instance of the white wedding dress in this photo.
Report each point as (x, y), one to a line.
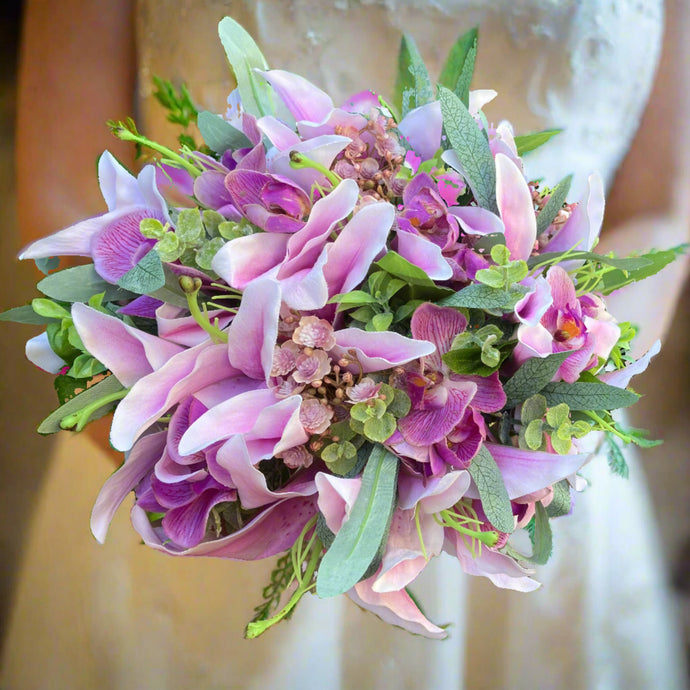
(122, 616)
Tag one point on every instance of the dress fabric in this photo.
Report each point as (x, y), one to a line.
(123, 616)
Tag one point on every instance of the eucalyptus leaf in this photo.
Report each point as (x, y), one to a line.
(79, 284)
(219, 134)
(561, 502)
(492, 491)
(554, 204)
(358, 541)
(108, 386)
(146, 277)
(532, 376)
(244, 57)
(588, 396)
(542, 541)
(459, 68)
(533, 140)
(47, 264)
(25, 314)
(472, 148)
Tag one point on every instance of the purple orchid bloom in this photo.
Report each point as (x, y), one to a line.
(444, 427)
(273, 203)
(578, 324)
(308, 265)
(113, 239)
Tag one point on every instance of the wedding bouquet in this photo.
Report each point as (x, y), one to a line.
(352, 337)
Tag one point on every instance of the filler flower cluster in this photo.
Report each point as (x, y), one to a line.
(351, 336)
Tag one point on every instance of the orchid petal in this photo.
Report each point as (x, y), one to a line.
(185, 330)
(304, 100)
(278, 133)
(422, 127)
(438, 325)
(434, 494)
(139, 462)
(253, 332)
(128, 352)
(479, 98)
(337, 495)
(377, 351)
(621, 378)
(534, 304)
(475, 220)
(516, 207)
(427, 255)
(39, 352)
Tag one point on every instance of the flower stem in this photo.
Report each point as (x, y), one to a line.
(81, 418)
(299, 161)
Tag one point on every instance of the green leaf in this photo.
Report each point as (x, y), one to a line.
(47, 264)
(396, 265)
(78, 284)
(380, 430)
(492, 490)
(534, 435)
(357, 542)
(400, 405)
(244, 57)
(189, 228)
(533, 408)
(146, 277)
(533, 140)
(109, 385)
(615, 280)
(66, 387)
(25, 314)
(560, 505)
(629, 263)
(468, 360)
(412, 85)
(478, 296)
(219, 134)
(531, 377)
(561, 445)
(472, 147)
(557, 415)
(543, 540)
(588, 396)
(380, 322)
(615, 457)
(554, 204)
(459, 68)
(207, 252)
(171, 292)
(356, 297)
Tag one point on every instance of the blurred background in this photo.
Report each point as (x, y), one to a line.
(26, 394)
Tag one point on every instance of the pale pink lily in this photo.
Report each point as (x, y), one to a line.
(113, 239)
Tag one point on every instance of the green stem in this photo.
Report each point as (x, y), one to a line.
(257, 628)
(299, 161)
(191, 291)
(81, 418)
(609, 427)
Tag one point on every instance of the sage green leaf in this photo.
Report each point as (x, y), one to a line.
(189, 228)
(412, 84)
(533, 140)
(459, 68)
(533, 408)
(47, 264)
(542, 538)
(244, 57)
(358, 541)
(629, 263)
(478, 296)
(561, 445)
(211, 220)
(25, 314)
(472, 148)
(380, 429)
(560, 505)
(78, 284)
(85, 367)
(146, 277)
(396, 265)
(219, 134)
(534, 436)
(400, 405)
(588, 396)
(614, 280)
(171, 292)
(615, 457)
(492, 491)
(554, 204)
(468, 361)
(532, 376)
(557, 415)
(207, 252)
(109, 385)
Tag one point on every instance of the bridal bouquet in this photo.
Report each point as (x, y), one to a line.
(351, 336)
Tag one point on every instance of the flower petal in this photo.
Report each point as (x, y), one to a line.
(421, 128)
(39, 352)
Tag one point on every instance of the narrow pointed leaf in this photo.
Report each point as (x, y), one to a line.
(542, 541)
(628, 263)
(244, 57)
(79, 284)
(532, 376)
(358, 541)
(472, 148)
(51, 424)
(528, 142)
(412, 85)
(25, 314)
(459, 68)
(588, 396)
(554, 204)
(492, 491)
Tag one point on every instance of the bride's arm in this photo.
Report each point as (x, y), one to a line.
(649, 205)
(77, 70)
